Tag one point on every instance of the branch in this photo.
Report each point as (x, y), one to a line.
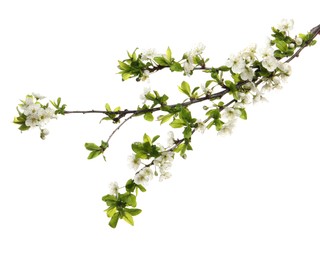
(314, 32)
(151, 110)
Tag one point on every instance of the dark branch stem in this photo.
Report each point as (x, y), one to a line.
(314, 31)
(151, 110)
(118, 127)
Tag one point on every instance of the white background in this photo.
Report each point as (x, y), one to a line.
(253, 195)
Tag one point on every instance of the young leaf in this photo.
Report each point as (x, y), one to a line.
(164, 118)
(185, 88)
(133, 212)
(92, 147)
(148, 116)
(147, 139)
(168, 54)
(127, 217)
(93, 154)
(114, 220)
(177, 123)
(111, 211)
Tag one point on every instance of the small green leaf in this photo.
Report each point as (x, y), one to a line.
(123, 66)
(108, 108)
(114, 220)
(133, 212)
(111, 211)
(148, 116)
(128, 218)
(140, 187)
(224, 68)
(161, 61)
(177, 123)
(92, 147)
(243, 114)
(23, 127)
(187, 133)
(168, 54)
(109, 199)
(147, 139)
(185, 88)
(176, 66)
(282, 45)
(155, 138)
(93, 154)
(165, 118)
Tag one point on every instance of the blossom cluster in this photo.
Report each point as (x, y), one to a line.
(161, 164)
(34, 114)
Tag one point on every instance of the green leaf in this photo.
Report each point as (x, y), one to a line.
(176, 66)
(23, 127)
(111, 211)
(133, 212)
(187, 133)
(185, 88)
(165, 118)
(129, 198)
(218, 123)
(147, 139)
(161, 61)
(168, 53)
(140, 187)
(224, 68)
(243, 114)
(108, 108)
(92, 147)
(282, 45)
(128, 218)
(155, 138)
(126, 76)
(93, 154)
(177, 123)
(114, 220)
(130, 185)
(148, 116)
(109, 199)
(124, 66)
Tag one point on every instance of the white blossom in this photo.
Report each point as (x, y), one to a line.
(38, 96)
(244, 99)
(247, 73)
(29, 101)
(32, 120)
(285, 25)
(142, 177)
(236, 63)
(148, 54)
(164, 176)
(201, 126)
(231, 113)
(270, 63)
(298, 41)
(170, 139)
(31, 109)
(43, 134)
(205, 90)
(258, 96)
(285, 68)
(146, 90)
(198, 50)
(227, 128)
(134, 162)
(145, 76)
(114, 188)
(188, 66)
(267, 52)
